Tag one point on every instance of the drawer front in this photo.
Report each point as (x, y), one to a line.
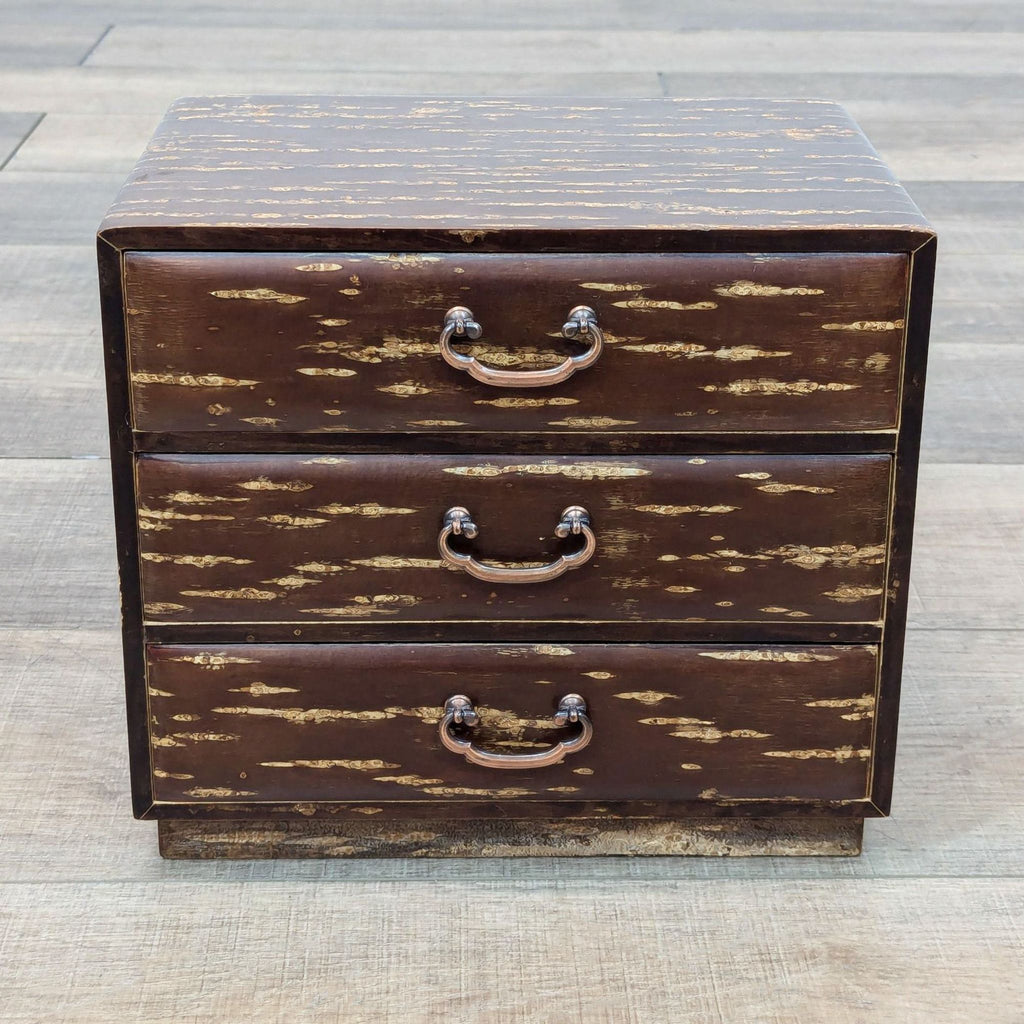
(280, 538)
(318, 342)
(360, 722)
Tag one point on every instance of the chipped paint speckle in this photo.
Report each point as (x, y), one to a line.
(208, 737)
(370, 509)
(262, 483)
(860, 708)
(742, 289)
(409, 780)
(507, 793)
(398, 562)
(380, 604)
(525, 403)
(591, 422)
(839, 754)
(191, 498)
(598, 286)
(326, 371)
(163, 608)
(777, 657)
(192, 517)
(292, 582)
(711, 734)
(788, 488)
(238, 594)
(305, 716)
(847, 594)
(214, 662)
(189, 380)
(579, 471)
(839, 555)
(287, 522)
(649, 697)
(867, 325)
(259, 689)
(259, 294)
(682, 510)
(406, 389)
(217, 791)
(766, 386)
(649, 304)
(370, 765)
(199, 561)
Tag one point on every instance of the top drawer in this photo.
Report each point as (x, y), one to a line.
(315, 342)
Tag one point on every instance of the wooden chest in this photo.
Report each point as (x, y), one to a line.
(512, 477)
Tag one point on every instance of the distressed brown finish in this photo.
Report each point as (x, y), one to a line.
(355, 722)
(587, 837)
(252, 538)
(766, 287)
(283, 171)
(330, 342)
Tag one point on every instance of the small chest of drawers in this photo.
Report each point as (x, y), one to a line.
(512, 477)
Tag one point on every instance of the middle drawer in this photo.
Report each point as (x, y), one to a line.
(306, 538)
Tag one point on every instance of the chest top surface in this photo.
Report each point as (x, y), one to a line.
(252, 171)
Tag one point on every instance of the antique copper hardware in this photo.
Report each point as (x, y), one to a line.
(458, 522)
(459, 710)
(459, 322)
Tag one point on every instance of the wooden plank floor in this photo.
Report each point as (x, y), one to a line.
(924, 927)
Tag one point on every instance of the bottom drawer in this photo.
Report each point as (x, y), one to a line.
(271, 723)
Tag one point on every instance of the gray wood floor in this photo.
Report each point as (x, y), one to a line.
(926, 926)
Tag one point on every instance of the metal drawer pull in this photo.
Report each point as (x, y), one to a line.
(575, 520)
(459, 710)
(459, 322)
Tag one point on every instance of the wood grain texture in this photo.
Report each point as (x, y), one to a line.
(56, 543)
(14, 128)
(269, 342)
(424, 50)
(69, 270)
(121, 91)
(62, 43)
(82, 143)
(937, 16)
(594, 837)
(893, 96)
(508, 169)
(354, 722)
(848, 950)
(251, 538)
